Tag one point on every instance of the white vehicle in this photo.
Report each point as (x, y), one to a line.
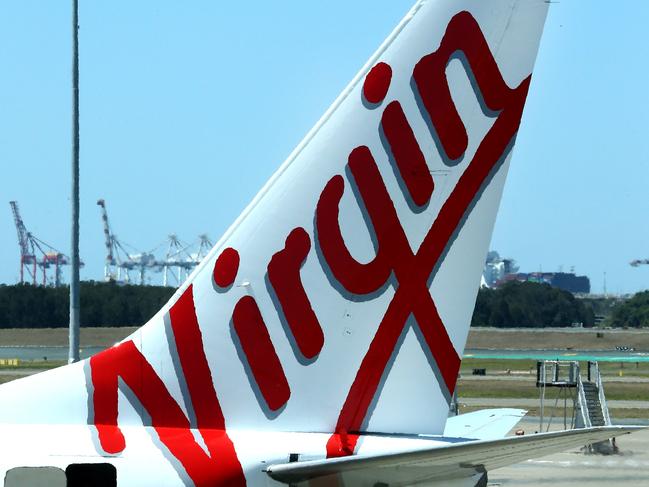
(320, 341)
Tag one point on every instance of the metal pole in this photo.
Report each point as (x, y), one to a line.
(541, 369)
(73, 355)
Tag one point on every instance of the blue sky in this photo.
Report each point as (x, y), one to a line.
(188, 107)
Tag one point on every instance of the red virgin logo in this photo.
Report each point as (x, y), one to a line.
(413, 269)
(409, 270)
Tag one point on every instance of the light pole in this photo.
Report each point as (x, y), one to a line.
(73, 355)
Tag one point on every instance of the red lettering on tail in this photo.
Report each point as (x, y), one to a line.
(413, 271)
(260, 353)
(411, 296)
(284, 276)
(221, 466)
(377, 83)
(407, 154)
(226, 268)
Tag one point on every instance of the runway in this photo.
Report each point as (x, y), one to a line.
(33, 352)
(511, 402)
(44, 353)
(559, 354)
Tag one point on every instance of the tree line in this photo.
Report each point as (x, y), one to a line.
(632, 313)
(531, 305)
(102, 304)
(516, 304)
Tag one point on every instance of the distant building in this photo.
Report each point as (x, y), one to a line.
(561, 280)
(498, 271)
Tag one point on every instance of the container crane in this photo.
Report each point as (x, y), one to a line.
(109, 274)
(27, 251)
(204, 247)
(119, 262)
(181, 257)
(35, 253)
(177, 257)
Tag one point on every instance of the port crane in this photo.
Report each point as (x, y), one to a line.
(180, 257)
(119, 262)
(35, 253)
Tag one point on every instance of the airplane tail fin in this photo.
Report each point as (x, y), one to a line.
(340, 300)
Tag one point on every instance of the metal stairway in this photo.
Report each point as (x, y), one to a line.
(593, 404)
(589, 407)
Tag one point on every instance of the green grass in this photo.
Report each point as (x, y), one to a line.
(498, 389)
(629, 413)
(34, 364)
(500, 366)
(627, 391)
(496, 365)
(526, 389)
(630, 369)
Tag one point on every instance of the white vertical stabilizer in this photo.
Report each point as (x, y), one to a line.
(340, 301)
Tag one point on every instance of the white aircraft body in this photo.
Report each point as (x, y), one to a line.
(320, 341)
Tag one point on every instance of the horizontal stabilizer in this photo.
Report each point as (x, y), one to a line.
(484, 424)
(457, 460)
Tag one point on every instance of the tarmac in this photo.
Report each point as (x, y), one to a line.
(574, 468)
(45, 352)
